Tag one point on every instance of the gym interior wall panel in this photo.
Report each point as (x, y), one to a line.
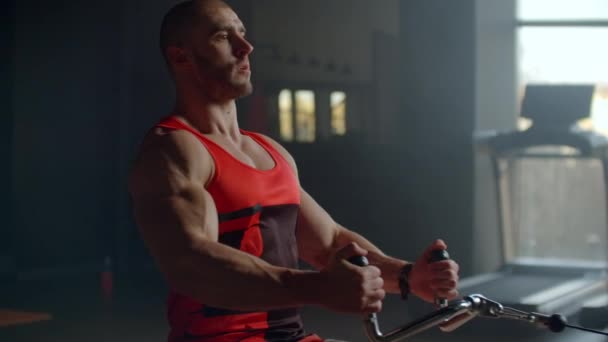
(7, 229)
(437, 77)
(496, 108)
(65, 105)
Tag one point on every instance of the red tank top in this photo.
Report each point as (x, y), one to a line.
(257, 211)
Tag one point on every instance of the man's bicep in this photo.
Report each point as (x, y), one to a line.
(188, 212)
(316, 232)
(172, 208)
(172, 225)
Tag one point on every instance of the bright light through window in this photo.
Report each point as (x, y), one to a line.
(285, 115)
(305, 116)
(566, 10)
(338, 112)
(567, 55)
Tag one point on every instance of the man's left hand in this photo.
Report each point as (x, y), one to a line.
(431, 279)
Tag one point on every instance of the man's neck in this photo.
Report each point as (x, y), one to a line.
(214, 118)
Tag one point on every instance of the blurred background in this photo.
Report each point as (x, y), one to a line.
(378, 101)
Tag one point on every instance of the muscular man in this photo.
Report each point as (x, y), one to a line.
(223, 213)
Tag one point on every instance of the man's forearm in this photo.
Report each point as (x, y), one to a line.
(390, 267)
(222, 276)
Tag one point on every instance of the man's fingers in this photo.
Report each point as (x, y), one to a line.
(447, 293)
(445, 275)
(376, 283)
(443, 284)
(373, 307)
(437, 244)
(372, 271)
(378, 294)
(444, 265)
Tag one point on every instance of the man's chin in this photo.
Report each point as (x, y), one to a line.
(244, 90)
(233, 90)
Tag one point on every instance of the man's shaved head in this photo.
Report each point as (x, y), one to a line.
(204, 45)
(182, 18)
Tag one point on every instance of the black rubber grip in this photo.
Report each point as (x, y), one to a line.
(439, 254)
(557, 323)
(359, 260)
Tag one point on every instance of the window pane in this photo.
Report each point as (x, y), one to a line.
(557, 209)
(338, 112)
(567, 56)
(562, 9)
(286, 115)
(305, 116)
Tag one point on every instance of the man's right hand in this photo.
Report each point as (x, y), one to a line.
(350, 288)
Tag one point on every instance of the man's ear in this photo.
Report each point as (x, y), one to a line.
(178, 57)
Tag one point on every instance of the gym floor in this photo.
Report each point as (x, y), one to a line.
(136, 313)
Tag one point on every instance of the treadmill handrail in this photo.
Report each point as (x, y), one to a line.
(587, 143)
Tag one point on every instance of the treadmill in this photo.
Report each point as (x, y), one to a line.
(551, 185)
(594, 312)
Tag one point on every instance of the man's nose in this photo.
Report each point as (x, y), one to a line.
(243, 47)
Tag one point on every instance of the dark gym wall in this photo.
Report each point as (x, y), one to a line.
(437, 42)
(7, 43)
(146, 95)
(65, 138)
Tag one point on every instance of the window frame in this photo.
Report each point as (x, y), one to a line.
(322, 92)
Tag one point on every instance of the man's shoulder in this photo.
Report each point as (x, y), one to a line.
(160, 139)
(165, 152)
(173, 145)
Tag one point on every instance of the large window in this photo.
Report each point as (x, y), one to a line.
(558, 207)
(286, 115)
(297, 116)
(300, 118)
(338, 112)
(305, 116)
(561, 12)
(565, 41)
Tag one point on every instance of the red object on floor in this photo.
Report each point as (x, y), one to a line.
(107, 279)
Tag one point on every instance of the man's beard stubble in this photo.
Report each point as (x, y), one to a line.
(221, 83)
